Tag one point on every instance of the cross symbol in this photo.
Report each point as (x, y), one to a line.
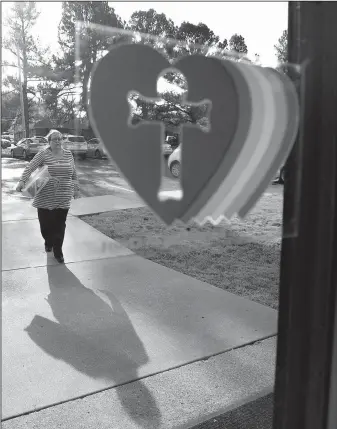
(155, 110)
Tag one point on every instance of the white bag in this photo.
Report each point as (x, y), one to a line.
(36, 182)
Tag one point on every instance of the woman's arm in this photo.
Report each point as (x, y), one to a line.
(36, 162)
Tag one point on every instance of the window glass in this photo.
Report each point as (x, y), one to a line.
(76, 139)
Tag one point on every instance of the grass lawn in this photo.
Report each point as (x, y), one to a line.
(241, 257)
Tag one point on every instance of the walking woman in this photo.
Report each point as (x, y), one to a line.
(53, 201)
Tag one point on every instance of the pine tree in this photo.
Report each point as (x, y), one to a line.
(92, 42)
(27, 50)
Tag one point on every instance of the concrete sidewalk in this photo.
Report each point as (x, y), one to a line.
(23, 210)
(106, 320)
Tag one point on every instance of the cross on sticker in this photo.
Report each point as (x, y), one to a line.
(171, 109)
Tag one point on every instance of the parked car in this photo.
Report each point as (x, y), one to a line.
(28, 147)
(174, 162)
(5, 143)
(172, 141)
(96, 149)
(40, 139)
(76, 144)
(167, 149)
(7, 136)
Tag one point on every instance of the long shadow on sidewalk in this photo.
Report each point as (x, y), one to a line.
(96, 337)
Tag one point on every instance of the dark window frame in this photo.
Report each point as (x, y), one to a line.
(306, 368)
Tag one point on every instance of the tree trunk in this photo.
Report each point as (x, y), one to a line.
(24, 85)
(85, 91)
(25, 107)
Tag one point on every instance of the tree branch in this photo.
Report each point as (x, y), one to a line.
(10, 65)
(9, 92)
(65, 93)
(176, 106)
(13, 52)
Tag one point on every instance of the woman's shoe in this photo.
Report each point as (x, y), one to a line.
(58, 255)
(48, 248)
(59, 259)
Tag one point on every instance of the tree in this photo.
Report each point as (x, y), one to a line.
(237, 44)
(223, 45)
(173, 112)
(20, 42)
(282, 47)
(155, 24)
(151, 22)
(10, 106)
(197, 34)
(92, 42)
(200, 35)
(57, 102)
(199, 39)
(168, 109)
(11, 102)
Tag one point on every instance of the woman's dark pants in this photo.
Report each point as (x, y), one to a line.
(53, 226)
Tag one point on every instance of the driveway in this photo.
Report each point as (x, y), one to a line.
(96, 176)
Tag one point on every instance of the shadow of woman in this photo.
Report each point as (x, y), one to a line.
(96, 337)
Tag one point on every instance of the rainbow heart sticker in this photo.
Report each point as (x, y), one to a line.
(254, 118)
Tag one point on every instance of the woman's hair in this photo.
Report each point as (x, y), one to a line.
(51, 133)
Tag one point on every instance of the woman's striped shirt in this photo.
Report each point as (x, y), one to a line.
(59, 190)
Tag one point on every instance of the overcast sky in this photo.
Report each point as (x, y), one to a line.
(260, 23)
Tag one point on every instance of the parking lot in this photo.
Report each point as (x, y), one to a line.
(96, 177)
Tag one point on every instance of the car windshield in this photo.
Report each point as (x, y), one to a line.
(76, 139)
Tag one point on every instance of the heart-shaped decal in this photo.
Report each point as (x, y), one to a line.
(283, 149)
(262, 125)
(269, 141)
(137, 150)
(254, 118)
(236, 146)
